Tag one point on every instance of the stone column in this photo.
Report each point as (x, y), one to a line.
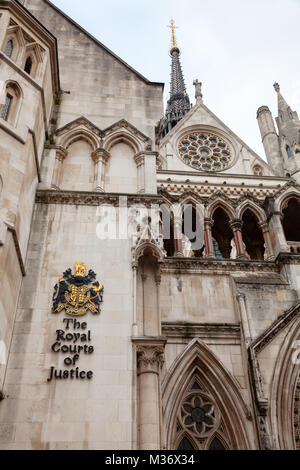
(177, 213)
(236, 226)
(61, 154)
(140, 164)
(100, 157)
(150, 358)
(277, 236)
(208, 240)
(178, 236)
(268, 244)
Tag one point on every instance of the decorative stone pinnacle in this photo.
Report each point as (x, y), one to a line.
(277, 87)
(198, 89)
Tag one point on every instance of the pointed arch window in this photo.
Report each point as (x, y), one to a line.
(9, 48)
(289, 151)
(7, 107)
(185, 444)
(200, 424)
(281, 118)
(28, 65)
(216, 444)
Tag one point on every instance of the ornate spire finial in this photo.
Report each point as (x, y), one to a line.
(277, 87)
(173, 39)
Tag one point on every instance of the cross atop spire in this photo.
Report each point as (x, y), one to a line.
(173, 38)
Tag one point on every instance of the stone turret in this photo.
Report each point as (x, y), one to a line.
(270, 139)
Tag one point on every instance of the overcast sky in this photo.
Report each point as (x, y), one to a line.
(237, 48)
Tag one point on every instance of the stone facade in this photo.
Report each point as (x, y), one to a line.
(196, 346)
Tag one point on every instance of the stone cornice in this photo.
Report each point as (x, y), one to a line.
(207, 189)
(198, 265)
(82, 198)
(193, 330)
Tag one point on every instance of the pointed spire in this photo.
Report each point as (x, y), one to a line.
(283, 107)
(288, 125)
(179, 102)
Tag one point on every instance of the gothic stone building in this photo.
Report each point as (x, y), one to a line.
(196, 347)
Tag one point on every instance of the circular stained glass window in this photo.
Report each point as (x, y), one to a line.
(205, 151)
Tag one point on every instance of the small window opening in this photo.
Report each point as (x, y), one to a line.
(6, 107)
(9, 48)
(28, 65)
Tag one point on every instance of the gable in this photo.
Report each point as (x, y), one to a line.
(200, 118)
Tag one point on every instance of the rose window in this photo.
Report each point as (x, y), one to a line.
(206, 152)
(198, 415)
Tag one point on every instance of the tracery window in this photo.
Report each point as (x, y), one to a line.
(199, 421)
(205, 151)
(9, 48)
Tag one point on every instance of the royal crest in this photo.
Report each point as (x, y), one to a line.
(75, 295)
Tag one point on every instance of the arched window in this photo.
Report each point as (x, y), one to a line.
(7, 107)
(28, 65)
(291, 221)
(222, 234)
(199, 420)
(185, 444)
(252, 236)
(281, 118)
(291, 115)
(10, 109)
(9, 48)
(167, 219)
(192, 229)
(216, 444)
(289, 151)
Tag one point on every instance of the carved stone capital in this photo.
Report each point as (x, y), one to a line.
(150, 358)
(61, 153)
(264, 226)
(208, 223)
(236, 225)
(139, 159)
(100, 154)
